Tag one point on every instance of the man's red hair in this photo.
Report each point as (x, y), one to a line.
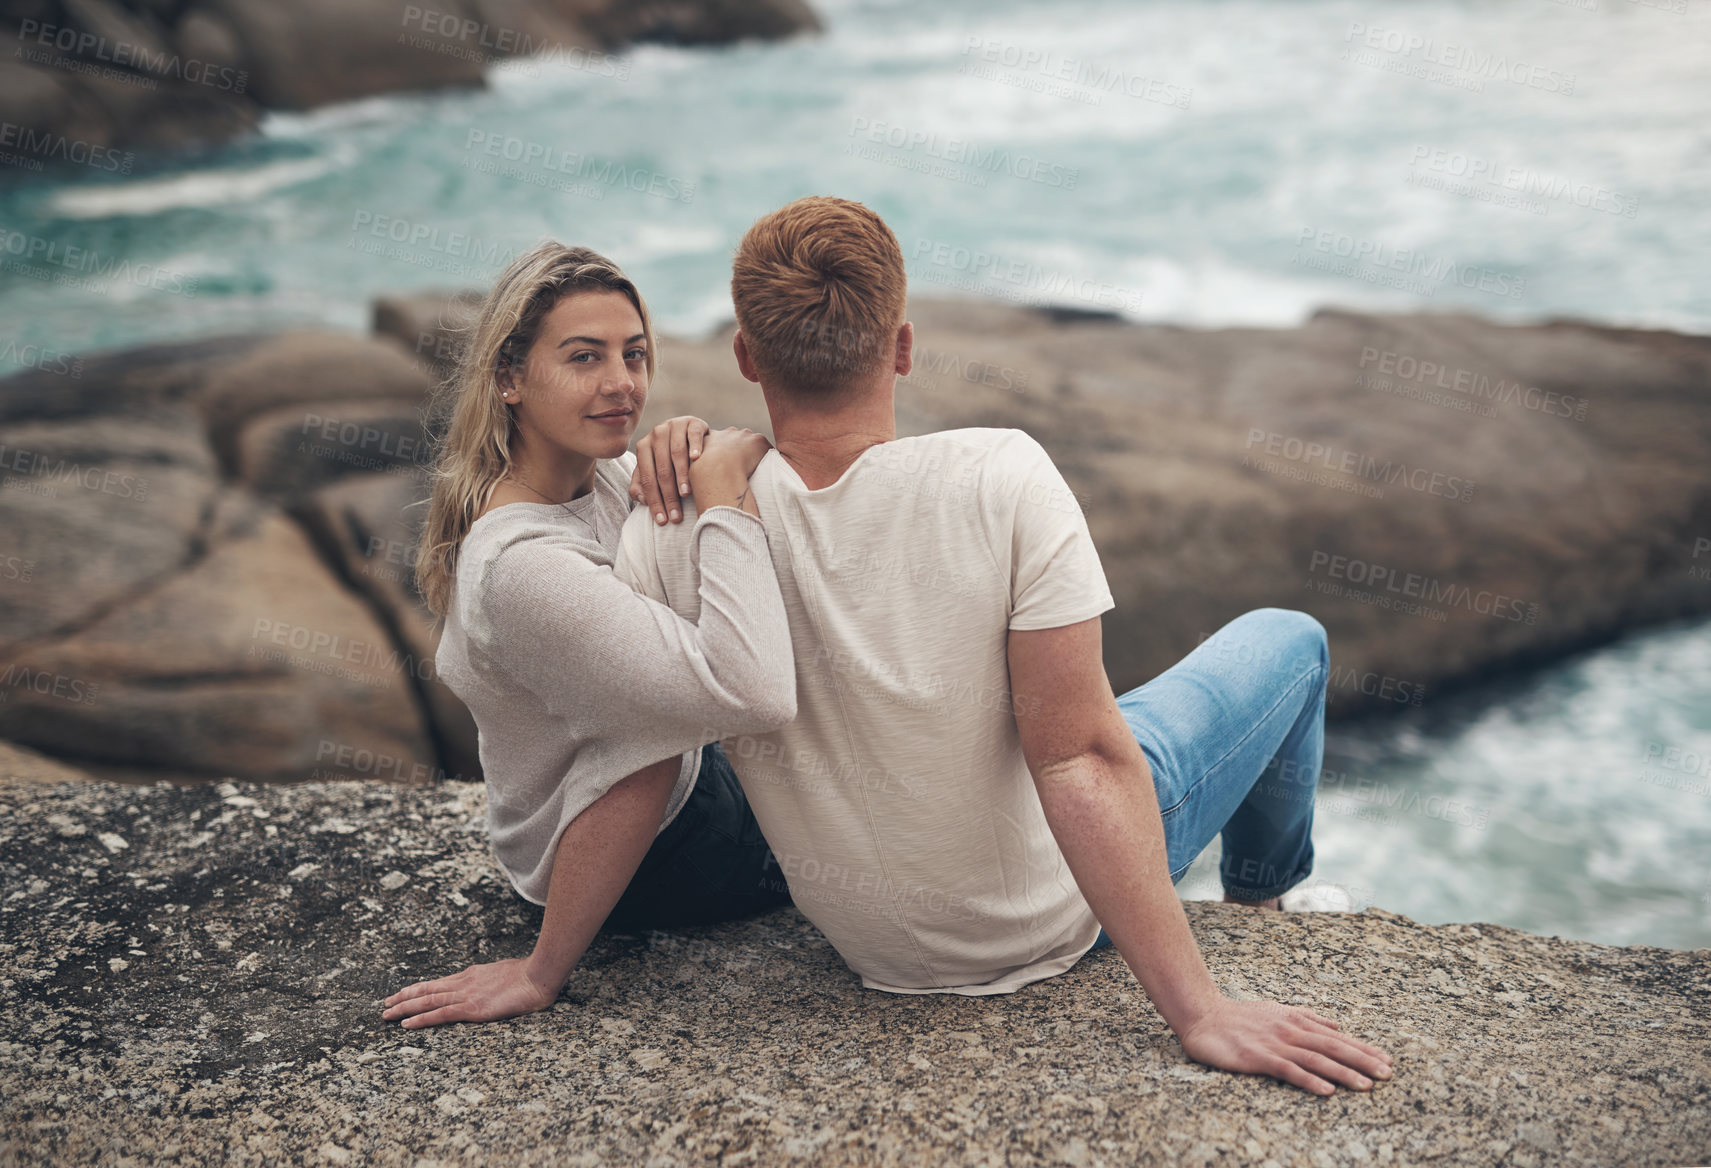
(819, 290)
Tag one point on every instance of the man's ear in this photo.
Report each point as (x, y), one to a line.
(905, 349)
(744, 361)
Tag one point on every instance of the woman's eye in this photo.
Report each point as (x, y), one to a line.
(637, 355)
(579, 356)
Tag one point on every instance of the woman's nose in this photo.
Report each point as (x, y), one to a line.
(620, 382)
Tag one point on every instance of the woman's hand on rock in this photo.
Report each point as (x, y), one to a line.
(481, 993)
(1286, 1042)
(663, 455)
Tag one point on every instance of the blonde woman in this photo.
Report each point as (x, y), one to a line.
(590, 699)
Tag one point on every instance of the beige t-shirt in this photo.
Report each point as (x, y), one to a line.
(898, 803)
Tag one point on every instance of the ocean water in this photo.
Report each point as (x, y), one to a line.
(1243, 161)
(1235, 162)
(1574, 801)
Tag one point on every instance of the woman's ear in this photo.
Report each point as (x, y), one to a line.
(507, 383)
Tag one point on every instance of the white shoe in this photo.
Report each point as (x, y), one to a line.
(1319, 896)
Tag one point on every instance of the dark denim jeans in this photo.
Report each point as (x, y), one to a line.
(1235, 736)
(710, 864)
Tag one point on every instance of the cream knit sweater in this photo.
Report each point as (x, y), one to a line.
(575, 681)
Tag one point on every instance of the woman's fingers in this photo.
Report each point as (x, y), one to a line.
(1327, 1067)
(1318, 1023)
(647, 485)
(679, 450)
(698, 431)
(421, 996)
(416, 1003)
(1377, 1060)
(451, 1013)
(1287, 1069)
(642, 488)
(666, 477)
(417, 990)
(1352, 1051)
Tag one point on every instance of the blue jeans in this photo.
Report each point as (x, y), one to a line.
(1235, 736)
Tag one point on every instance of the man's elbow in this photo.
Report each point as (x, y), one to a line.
(1096, 762)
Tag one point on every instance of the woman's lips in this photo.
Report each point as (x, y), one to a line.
(613, 419)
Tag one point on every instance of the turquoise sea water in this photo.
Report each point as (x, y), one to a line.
(1161, 159)
(1204, 163)
(1575, 801)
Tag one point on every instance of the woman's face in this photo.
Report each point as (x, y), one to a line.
(585, 381)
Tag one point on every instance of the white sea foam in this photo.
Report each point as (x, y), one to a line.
(202, 188)
(1196, 210)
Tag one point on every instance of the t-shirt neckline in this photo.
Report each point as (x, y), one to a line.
(841, 480)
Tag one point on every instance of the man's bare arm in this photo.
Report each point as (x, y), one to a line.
(1097, 793)
(597, 854)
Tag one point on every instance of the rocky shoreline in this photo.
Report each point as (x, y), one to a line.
(92, 81)
(1451, 497)
(209, 564)
(193, 974)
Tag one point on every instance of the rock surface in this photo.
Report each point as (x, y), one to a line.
(93, 80)
(1563, 506)
(369, 527)
(307, 372)
(431, 325)
(252, 660)
(159, 608)
(193, 975)
(114, 502)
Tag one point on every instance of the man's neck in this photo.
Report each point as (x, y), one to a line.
(821, 445)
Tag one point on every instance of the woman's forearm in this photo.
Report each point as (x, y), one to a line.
(595, 859)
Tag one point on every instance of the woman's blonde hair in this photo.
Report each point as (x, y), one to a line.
(474, 427)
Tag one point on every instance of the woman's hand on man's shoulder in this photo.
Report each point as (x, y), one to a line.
(663, 458)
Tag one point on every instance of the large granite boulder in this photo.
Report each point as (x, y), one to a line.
(113, 76)
(71, 109)
(156, 613)
(250, 660)
(432, 326)
(288, 453)
(1447, 495)
(134, 383)
(96, 510)
(317, 374)
(312, 52)
(369, 527)
(100, 123)
(195, 975)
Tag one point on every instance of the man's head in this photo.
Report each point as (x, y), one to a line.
(819, 291)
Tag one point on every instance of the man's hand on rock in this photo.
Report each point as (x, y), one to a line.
(481, 993)
(1286, 1042)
